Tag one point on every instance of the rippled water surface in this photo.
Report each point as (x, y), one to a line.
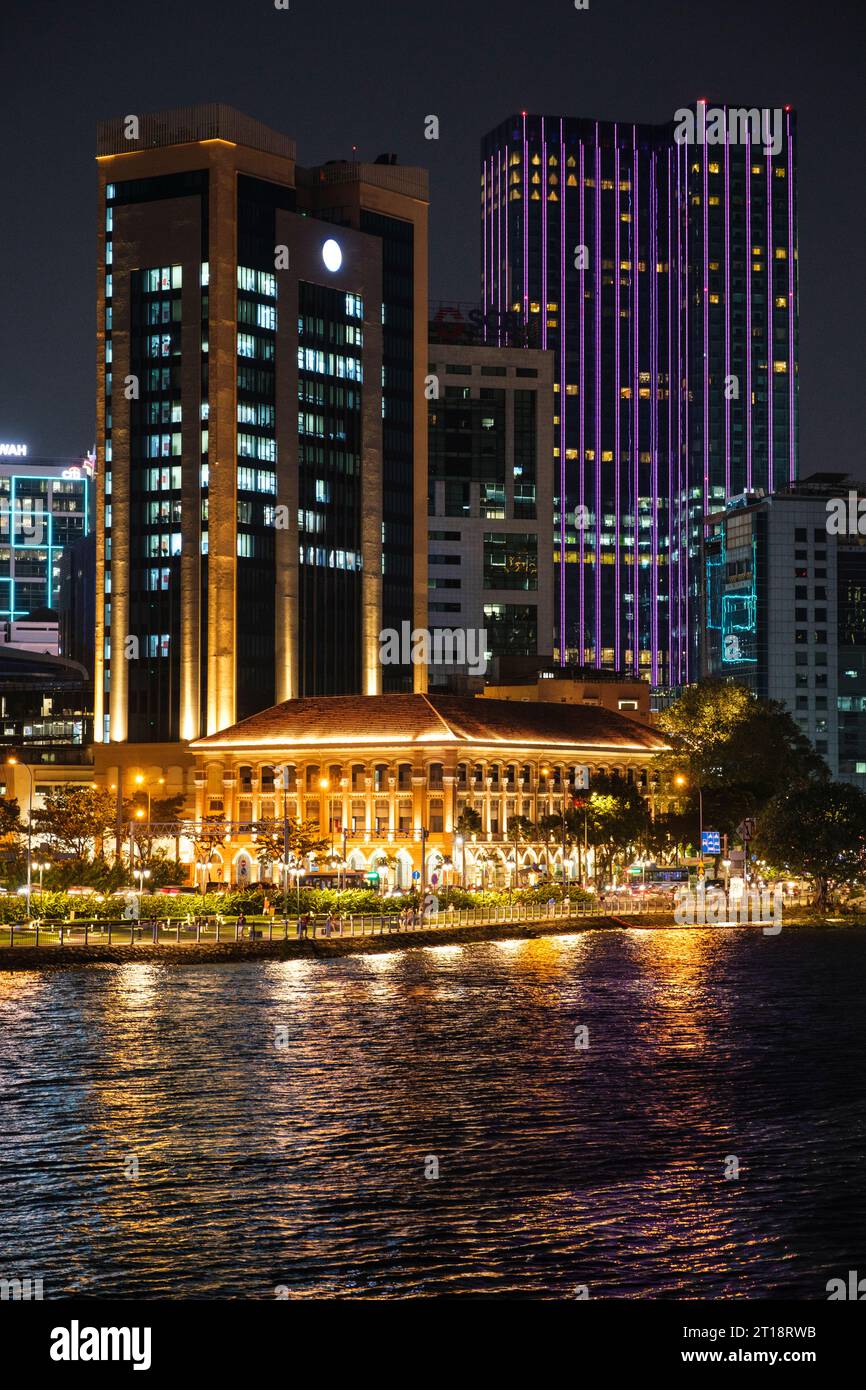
(284, 1118)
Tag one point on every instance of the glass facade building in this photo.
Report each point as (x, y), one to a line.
(45, 507)
(261, 455)
(784, 613)
(663, 277)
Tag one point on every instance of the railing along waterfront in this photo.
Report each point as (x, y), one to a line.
(188, 930)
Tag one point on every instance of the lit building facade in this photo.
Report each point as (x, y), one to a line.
(261, 453)
(663, 278)
(490, 559)
(45, 508)
(387, 779)
(785, 614)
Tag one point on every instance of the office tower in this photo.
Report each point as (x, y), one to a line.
(784, 612)
(490, 497)
(261, 454)
(663, 277)
(45, 507)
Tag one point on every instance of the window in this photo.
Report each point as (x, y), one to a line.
(510, 560)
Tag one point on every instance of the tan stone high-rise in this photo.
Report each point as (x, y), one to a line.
(262, 428)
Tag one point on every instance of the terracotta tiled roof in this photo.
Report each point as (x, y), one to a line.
(341, 720)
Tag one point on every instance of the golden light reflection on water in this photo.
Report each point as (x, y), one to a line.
(674, 967)
(602, 1166)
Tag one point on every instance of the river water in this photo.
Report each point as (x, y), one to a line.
(234, 1130)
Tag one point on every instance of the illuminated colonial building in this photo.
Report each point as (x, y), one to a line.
(387, 778)
(261, 446)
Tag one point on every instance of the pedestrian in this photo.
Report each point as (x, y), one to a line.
(242, 921)
(300, 926)
(329, 924)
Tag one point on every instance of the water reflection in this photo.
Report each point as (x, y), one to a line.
(283, 1118)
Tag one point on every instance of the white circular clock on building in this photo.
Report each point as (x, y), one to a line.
(332, 255)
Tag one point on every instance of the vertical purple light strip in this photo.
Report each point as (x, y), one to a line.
(680, 301)
(771, 483)
(508, 289)
(685, 459)
(671, 513)
(617, 403)
(492, 231)
(563, 180)
(525, 224)
(543, 211)
(597, 365)
(484, 280)
(499, 232)
(727, 310)
(706, 307)
(748, 411)
(635, 405)
(654, 438)
(792, 441)
(582, 403)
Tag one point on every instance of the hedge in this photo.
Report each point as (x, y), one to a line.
(55, 907)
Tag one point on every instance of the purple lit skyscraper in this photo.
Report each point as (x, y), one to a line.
(663, 277)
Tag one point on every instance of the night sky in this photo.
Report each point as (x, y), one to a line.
(338, 73)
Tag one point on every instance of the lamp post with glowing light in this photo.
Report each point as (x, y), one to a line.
(458, 844)
(40, 868)
(13, 762)
(682, 781)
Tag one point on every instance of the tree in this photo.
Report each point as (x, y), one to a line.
(469, 821)
(672, 833)
(10, 818)
(521, 828)
(617, 819)
(11, 845)
(145, 830)
(206, 835)
(550, 826)
(738, 750)
(297, 839)
(817, 833)
(73, 820)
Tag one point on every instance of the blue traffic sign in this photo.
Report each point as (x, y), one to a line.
(711, 842)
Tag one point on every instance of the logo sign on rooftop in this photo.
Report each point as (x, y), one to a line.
(13, 451)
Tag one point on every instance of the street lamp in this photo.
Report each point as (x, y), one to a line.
(681, 781)
(40, 868)
(13, 762)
